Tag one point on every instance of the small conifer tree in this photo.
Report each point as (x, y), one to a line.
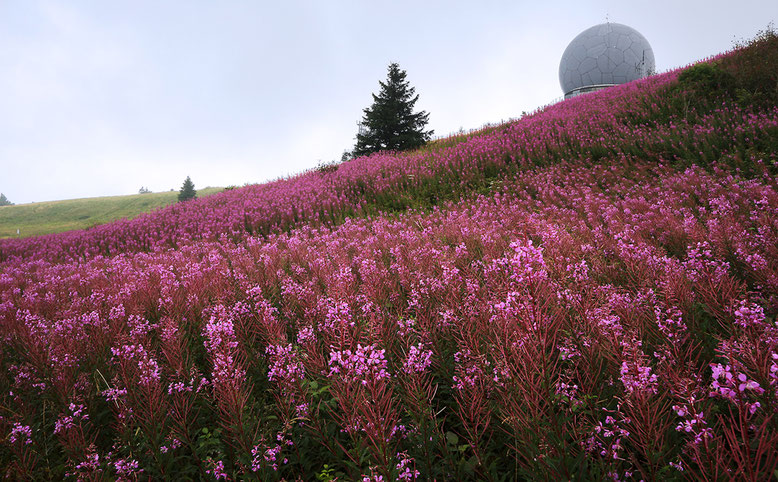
(4, 200)
(187, 191)
(390, 123)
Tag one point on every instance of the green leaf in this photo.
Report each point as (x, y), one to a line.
(471, 464)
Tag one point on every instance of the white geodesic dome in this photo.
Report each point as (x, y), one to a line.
(604, 55)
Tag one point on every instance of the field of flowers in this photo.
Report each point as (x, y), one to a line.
(589, 292)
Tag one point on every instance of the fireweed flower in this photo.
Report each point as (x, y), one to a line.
(405, 327)
(219, 335)
(301, 410)
(568, 349)
(178, 387)
(676, 465)
(216, 469)
(114, 394)
(192, 386)
(579, 271)
(527, 262)
(306, 335)
(139, 327)
(365, 364)
(447, 319)
(749, 314)
(65, 422)
(21, 433)
(606, 438)
(284, 367)
(418, 359)
(470, 370)
(174, 444)
(735, 387)
(90, 465)
(405, 468)
(116, 312)
(270, 456)
(609, 324)
(148, 369)
(568, 392)
(26, 375)
(127, 468)
(221, 344)
(670, 322)
(373, 476)
(701, 261)
(638, 378)
(693, 422)
(337, 314)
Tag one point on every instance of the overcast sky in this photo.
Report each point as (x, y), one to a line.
(103, 97)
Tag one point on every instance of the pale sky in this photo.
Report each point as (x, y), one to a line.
(103, 97)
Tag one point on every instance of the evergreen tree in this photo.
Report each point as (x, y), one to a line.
(187, 191)
(390, 124)
(4, 200)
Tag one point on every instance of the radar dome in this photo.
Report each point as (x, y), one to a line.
(602, 56)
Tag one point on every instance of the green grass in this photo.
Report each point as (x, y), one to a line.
(36, 219)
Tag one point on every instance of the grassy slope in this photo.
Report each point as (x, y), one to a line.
(35, 219)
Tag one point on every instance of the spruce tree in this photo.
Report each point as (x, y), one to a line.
(187, 191)
(4, 200)
(390, 123)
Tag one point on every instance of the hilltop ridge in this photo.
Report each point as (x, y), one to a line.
(37, 219)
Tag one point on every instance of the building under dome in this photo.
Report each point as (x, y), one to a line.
(602, 56)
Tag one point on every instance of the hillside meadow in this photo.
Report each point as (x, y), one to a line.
(589, 292)
(36, 219)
